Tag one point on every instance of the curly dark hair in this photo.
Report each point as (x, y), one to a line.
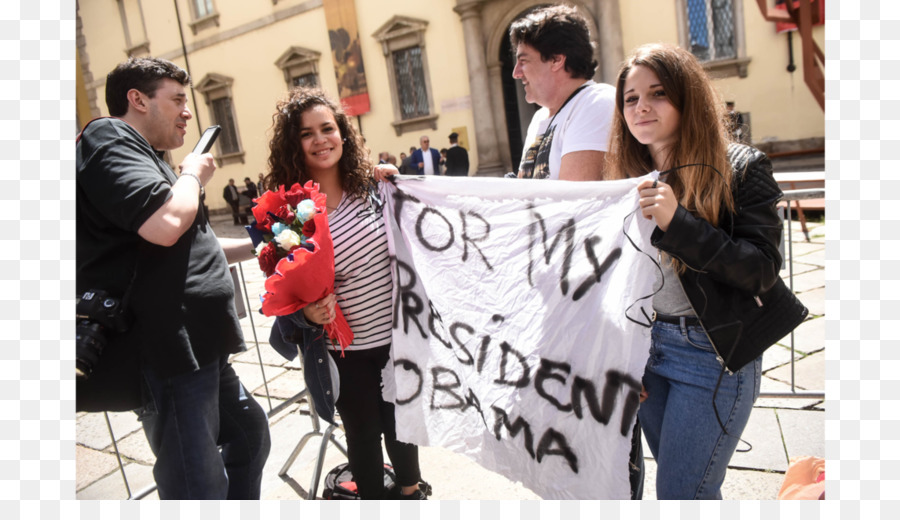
(286, 161)
(557, 29)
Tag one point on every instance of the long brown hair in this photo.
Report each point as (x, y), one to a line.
(286, 161)
(702, 137)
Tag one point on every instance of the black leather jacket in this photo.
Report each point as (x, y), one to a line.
(732, 280)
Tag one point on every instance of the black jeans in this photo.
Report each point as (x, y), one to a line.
(366, 416)
(636, 463)
(236, 215)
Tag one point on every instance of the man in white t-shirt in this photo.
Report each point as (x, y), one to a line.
(567, 138)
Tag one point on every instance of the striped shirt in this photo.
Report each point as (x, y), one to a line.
(362, 267)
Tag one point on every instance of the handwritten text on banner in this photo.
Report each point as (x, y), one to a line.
(511, 341)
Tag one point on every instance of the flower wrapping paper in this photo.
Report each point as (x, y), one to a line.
(306, 273)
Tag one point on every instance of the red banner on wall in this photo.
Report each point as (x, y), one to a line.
(340, 17)
(817, 16)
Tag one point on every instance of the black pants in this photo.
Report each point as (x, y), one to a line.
(636, 463)
(366, 416)
(236, 215)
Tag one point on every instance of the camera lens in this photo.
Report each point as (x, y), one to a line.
(89, 343)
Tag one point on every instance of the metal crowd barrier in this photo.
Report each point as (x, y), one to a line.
(303, 395)
(328, 434)
(791, 195)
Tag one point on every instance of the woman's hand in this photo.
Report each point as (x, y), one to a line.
(658, 202)
(644, 394)
(382, 171)
(321, 312)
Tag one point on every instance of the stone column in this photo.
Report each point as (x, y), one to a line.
(494, 72)
(489, 163)
(610, 39)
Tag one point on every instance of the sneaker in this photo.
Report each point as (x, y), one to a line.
(422, 493)
(415, 495)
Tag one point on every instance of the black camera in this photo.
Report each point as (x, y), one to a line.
(97, 314)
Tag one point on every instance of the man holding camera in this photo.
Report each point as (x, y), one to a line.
(157, 320)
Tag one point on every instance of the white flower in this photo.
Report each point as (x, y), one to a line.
(305, 211)
(287, 239)
(259, 247)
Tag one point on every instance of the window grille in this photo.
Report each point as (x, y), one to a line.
(410, 79)
(204, 8)
(224, 117)
(305, 80)
(711, 28)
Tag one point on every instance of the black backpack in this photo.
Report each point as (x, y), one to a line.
(339, 484)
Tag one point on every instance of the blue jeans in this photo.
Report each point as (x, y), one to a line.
(188, 417)
(691, 450)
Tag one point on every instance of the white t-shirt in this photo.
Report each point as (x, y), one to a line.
(362, 271)
(429, 163)
(582, 124)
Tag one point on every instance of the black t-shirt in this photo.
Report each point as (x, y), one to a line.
(182, 297)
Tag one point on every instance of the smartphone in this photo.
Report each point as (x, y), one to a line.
(207, 139)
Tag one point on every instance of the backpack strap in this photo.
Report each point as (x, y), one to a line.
(78, 137)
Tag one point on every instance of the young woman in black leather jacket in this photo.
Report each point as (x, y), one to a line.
(721, 301)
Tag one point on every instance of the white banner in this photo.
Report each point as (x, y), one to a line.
(512, 340)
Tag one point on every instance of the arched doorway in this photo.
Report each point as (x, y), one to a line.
(518, 111)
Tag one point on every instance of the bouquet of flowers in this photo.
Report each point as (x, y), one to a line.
(294, 248)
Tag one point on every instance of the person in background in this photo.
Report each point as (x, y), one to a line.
(735, 122)
(443, 161)
(314, 140)
(457, 158)
(426, 160)
(251, 192)
(406, 165)
(233, 197)
(720, 301)
(260, 185)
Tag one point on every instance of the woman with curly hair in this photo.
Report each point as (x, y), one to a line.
(314, 140)
(720, 300)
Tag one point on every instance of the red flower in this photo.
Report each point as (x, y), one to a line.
(268, 259)
(270, 201)
(285, 214)
(309, 229)
(298, 194)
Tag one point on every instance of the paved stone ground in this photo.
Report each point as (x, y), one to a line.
(779, 428)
